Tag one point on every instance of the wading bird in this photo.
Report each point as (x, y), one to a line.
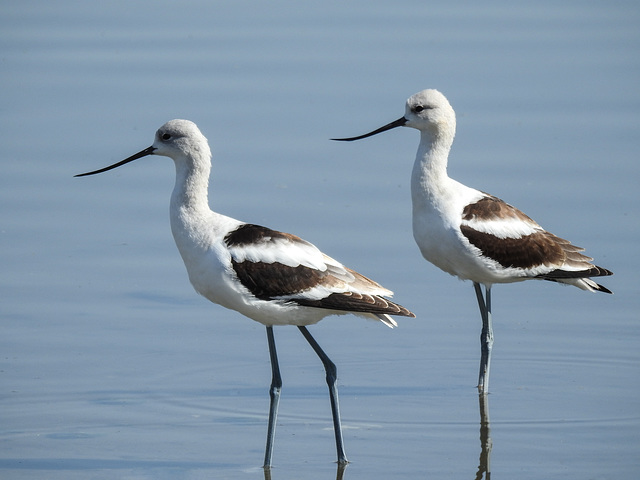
(271, 277)
(471, 234)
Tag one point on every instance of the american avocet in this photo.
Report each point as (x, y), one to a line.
(474, 235)
(271, 277)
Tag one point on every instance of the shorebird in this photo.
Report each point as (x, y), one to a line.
(473, 235)
(271, 277)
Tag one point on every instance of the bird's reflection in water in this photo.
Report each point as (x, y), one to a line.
(484, 468)
(339, 474)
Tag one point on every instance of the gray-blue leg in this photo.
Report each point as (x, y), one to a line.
(332, 380)
(486, 337)
(274, 395)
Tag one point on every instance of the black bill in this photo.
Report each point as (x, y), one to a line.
(143, 153)
(397, 123)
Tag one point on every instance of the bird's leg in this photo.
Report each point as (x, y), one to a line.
(332, 380)
(274, 396)
(486, 337)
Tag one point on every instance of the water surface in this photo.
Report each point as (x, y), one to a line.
(112, 367)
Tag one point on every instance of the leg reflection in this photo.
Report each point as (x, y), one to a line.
(484, 468)
(339, 474)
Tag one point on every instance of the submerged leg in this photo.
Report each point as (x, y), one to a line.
(332, 380)
(274, 395)
(486, 337)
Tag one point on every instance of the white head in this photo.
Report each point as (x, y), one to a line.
(428, 111)
(180, 138)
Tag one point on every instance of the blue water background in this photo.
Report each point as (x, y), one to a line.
(112, 367)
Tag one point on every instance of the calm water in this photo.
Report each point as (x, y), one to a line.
(112, 367)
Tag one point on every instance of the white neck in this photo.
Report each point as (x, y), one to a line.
(190, 215)
(191, 188)
(429, 176)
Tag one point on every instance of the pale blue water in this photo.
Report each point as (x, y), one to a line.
(112, 367)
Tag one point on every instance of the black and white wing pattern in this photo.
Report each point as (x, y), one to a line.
(277, 266)
(512, 240)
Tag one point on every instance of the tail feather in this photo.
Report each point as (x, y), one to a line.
(594, 271)
(387, 320)
(580, 278)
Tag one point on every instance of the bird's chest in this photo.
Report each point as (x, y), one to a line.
(200, 242)
(436, 230)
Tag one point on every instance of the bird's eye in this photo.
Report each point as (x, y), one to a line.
(420, 108)
(166, 136)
